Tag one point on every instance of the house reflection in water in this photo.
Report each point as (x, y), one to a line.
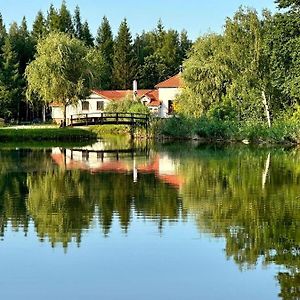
(97, 159)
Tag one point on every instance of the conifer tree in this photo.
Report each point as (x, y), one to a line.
(10, 91)
(52, 19)
(87, 37)
(22, 44)
(185, 45)
(38, 27)
(124, 59)
(105, 45)
(3, 35)
(65, 20)
(77, 23)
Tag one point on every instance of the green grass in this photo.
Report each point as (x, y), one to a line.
(46, 134)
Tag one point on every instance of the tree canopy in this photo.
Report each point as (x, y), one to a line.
(62, 70)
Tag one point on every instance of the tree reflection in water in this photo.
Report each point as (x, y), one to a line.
(249, 197)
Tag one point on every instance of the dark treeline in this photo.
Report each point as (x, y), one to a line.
(150, 57)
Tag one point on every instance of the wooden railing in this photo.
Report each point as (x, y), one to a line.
(112, 118)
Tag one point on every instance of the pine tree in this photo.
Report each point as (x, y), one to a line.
(159, 34)
(87, 37)
(10, 91)
(65, 20)
(38, 27)
(22, 44)
(77, 23)
(105, 45)
(52, 19)
(170, 51)
(185, 45)
(124, 59)
(3, 36)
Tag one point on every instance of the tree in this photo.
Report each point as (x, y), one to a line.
(124, 59)
(77, 23)
(65, 20)
(52, 19)
(62, 71)
(87, 37)
(105, 44)
(291, 4)
(10, 87)
(152, 71)
(3, 33)
(185, 45)
(38, 27)
(230, 71)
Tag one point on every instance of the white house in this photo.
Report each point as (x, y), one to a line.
(159, 100)
(168, 90)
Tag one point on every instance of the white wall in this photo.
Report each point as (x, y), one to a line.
(166, 94)
(57, 112)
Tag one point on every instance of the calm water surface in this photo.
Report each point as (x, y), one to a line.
(122, 221)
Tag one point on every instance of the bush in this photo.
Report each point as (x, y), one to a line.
(177, 127)
(127, 105)
(215, 129)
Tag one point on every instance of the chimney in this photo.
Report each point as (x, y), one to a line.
(135, 89)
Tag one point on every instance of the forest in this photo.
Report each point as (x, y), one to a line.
(149, 57)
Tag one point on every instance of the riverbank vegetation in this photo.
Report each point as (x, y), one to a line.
(214, 130)
(243, 83)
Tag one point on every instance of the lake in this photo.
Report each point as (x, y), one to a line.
(117, 220)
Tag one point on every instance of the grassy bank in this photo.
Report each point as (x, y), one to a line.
(281, 132)
(46, 134)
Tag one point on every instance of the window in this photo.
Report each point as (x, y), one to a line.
(85, 105)
(170, 107)
(100, 105)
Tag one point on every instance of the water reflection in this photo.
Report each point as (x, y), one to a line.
(249, 197)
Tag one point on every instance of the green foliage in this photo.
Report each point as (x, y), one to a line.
(77, 23)
(62, 71)
(174, 127)
(160, 53)
(231, 68)
(38, 27)
(105, 44)
(10, 91)
(127, 105)
(214, 129)
(87, 37)
(124, 70)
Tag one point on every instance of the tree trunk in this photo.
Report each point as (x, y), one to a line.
(65, 115)
(44, 113)
(264, 99)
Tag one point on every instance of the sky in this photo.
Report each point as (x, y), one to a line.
(196, 16)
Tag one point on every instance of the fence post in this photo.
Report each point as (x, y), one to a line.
(117, 118)
(71, 120)
(86, 119)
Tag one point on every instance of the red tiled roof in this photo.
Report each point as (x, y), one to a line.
(113, 94)
(173, 82)
(154, 98)
(117, 95)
